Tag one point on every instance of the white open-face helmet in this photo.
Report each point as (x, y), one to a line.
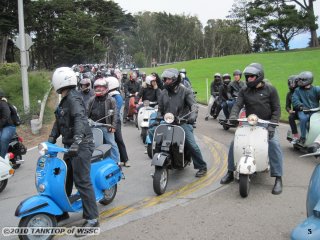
(113, 83)
(63, 77)
(149, 79)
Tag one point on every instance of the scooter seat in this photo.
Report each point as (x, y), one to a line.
(100, 152)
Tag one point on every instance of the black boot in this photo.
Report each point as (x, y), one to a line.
(277, 188)
(87, 224)
(228, 178)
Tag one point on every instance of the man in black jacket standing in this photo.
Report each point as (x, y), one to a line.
(72, 123)
(261, 99)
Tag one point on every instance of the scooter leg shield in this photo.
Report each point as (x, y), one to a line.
(37, 204)
(313, 196)
(308, 229)
(159, 159)
(246, 165)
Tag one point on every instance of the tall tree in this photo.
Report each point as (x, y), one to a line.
(224, 37)
(276, 18)
(307, 6)
(8, 24)
(239, 13)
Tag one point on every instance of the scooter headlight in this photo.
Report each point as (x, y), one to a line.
(252, 119)
(169, 118)
(43, 149)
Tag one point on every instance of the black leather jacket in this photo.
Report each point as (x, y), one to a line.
(71, 120)
(214, 88)
(98, 107)
(234, 88)
(5, 114)
(180, 102)
(263, 101)
(149, 93)
(131, 87)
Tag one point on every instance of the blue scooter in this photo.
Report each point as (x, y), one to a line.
(310, 227)
(52, 201)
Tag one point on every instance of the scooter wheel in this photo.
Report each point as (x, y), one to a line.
(37, 220)
(3, 184)
(149, 150)
(16, 166)
(160, 180)
(244, 185)
(143, 134)
(109, 195)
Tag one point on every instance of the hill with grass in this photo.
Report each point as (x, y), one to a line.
(278, 66)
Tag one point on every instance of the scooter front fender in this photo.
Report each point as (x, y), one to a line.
(148, 141)
(308, 229)
(37, 204)
(159, 159)
(246, 165)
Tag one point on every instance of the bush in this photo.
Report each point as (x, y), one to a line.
(9, 68)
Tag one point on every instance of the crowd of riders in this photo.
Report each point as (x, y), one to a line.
(95, 86)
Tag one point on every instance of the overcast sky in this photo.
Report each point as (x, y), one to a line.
(203, 9)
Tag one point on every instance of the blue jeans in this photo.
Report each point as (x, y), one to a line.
(274, 152)
(304, 119)
(108, 137)
(227, 106)
(6, 135)
(193, 148)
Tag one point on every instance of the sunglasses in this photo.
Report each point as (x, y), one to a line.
(165, 79)
(250, 76)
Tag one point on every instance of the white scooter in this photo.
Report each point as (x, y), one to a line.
(144, 116)
(312, 131)
(6, 171)
(250, 150)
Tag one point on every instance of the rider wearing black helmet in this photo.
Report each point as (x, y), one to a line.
(214, 88)
(7, 128)
(179, 100)
(223, 94)
(233, 91)
(85, 90)
(292, 85)
(262, 100)
(305, 97)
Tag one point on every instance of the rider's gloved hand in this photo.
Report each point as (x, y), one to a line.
(303, 108)
(52, 140)
(192, 118)
(271, 130)
(313, 147)
(91, 122)
(73, 150)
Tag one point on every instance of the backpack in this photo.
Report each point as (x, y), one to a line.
(14, 115)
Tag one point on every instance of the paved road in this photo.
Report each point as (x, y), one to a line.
(191, 208)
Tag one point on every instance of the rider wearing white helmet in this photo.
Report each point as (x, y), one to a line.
(72, 123)
(114, 92)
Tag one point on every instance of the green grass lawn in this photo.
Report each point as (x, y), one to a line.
(278, 66)
(39, 84)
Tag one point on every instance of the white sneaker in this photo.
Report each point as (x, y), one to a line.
(294, 140)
